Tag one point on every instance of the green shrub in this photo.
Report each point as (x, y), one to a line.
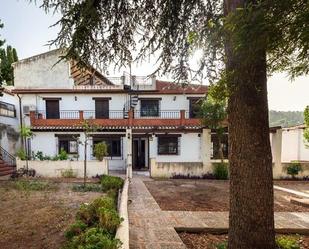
(39, 155)
(63, 155)
(287, 242)
(87, 188)
(93, 238)
(21, 154)
(111, 182)
(100, 150)
(89, 213)
(221, 171)
(68, 173)
(75, 229)
(96, 225)
(294, 168)
(222, 245)
(109, 219)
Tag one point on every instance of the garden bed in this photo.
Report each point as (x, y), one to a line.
(215, 241)
(209, 195)
(36, 215)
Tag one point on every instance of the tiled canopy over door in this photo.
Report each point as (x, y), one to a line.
(52, 108)
(101, 108)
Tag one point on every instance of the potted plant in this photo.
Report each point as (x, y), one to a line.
(100, 150)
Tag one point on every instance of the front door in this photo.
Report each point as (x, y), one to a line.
(139, 153)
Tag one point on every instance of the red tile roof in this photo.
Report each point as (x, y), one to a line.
(167, 87)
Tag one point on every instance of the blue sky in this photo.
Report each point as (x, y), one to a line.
(27, 28)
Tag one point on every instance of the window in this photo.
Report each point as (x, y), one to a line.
(52, 108)
(113, 145)
(7, 110)
(150, 108)
(215, 146)
(101, 108)
(69, 145)
(194, 106)
(168, 145)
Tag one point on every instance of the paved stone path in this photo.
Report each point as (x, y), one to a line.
(149, 227)
(152, 228)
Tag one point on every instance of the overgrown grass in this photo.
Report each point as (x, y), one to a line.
(96, 223)
(68, 173)
(30, 185)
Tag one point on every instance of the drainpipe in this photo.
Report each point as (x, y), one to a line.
(20, 118)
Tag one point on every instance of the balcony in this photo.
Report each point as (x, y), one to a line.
(115, 118)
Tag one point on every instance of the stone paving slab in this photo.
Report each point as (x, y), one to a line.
(152, 228)
(283, 220)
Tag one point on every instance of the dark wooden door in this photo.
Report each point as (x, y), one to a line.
(139, 153)
(101, 108)
(52, 109)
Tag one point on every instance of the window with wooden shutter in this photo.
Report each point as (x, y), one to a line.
(101, 108)
(52, 109)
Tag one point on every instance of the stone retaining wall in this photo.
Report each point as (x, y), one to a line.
(123, 230)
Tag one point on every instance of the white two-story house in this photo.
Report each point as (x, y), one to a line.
(150, 122)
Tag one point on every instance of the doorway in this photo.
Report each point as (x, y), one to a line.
(140, 153)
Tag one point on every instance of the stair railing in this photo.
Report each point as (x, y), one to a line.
(7, 157)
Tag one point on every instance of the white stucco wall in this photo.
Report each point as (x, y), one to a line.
(304, 147)
(42, 71)
(55, 168)
(293, 146)
(190, 149)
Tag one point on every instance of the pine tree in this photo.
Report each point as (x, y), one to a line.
(7, 57)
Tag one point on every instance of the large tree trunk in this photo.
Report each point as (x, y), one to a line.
(251, 223)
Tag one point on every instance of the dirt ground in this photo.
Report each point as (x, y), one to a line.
(209, 241)
(209, 195)
(38, 219)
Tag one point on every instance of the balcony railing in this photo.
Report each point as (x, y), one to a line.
(60, 115)
(86, 114)
(108, 114)
(169, 114)
(113, 114)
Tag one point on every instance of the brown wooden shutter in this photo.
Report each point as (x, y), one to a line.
(101, 108)
(52, 109)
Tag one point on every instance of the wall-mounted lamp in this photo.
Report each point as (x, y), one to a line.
(129, 135)
(75, 98)
(174, 98)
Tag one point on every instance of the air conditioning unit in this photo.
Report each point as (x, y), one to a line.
(28, 108)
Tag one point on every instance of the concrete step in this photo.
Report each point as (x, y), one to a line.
(5, 168)
(7, 172)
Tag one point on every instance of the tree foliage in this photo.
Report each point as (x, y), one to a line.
(306, 131)
(1, 44)
(214, 115)
(104, 32)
